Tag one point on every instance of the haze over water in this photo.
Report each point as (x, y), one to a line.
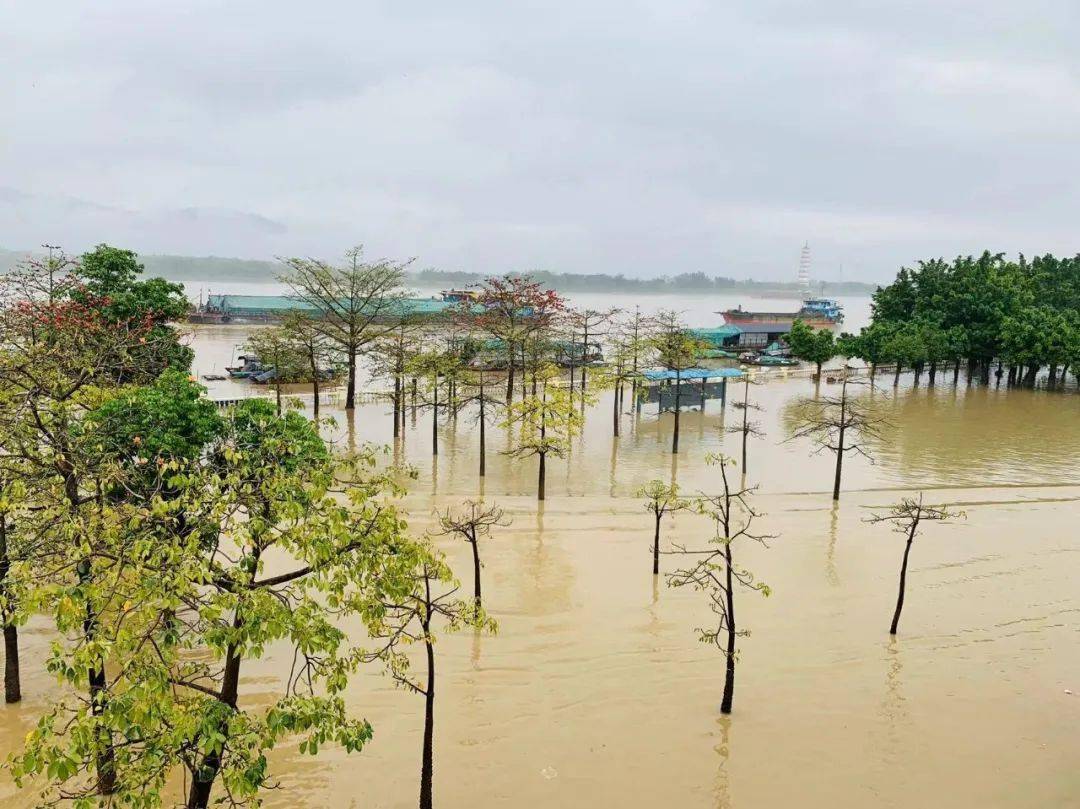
(595, 692)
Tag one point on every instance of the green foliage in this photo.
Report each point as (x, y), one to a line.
(983, 308)
(183, 598)
(168, 419)
(816, 346)
(546, 422)
(112, 275)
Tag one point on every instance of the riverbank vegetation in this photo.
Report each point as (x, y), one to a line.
(991, 314)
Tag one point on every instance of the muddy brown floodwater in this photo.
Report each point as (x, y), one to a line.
(595, 691)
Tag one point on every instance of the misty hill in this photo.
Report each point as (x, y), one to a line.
(203, 269)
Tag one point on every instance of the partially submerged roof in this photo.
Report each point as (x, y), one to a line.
(692, 373)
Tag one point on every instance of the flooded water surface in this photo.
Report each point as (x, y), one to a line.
(595, 692)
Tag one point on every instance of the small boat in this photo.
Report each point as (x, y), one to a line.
(249, 366)
(767, 361)
(214, 377)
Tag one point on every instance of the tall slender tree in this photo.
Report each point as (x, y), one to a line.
(748, 427)
(354, 303)
(838, 424)
(545, 424)
(660, 500)
(676, 350)
(713, 571)
(906, 517)
(412, 618)
(470, 522)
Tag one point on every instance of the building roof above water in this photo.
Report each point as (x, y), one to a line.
(692, 374)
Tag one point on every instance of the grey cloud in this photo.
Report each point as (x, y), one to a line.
(636, 137)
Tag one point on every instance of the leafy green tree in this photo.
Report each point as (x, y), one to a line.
(411, 618)
(660, 500)
(278, 350)
(904, 347)
(545, 423)
(110, 278)
(812, 345)
(676, 349)
(61, 356)
(268, 487)
(712, 570)
(357, 302)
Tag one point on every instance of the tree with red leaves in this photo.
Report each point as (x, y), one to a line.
(511, 309)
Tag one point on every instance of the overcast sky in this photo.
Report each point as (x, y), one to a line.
(635, 137)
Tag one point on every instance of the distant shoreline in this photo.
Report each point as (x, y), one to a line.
(189, 269)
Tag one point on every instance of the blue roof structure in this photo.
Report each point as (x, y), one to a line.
(692, 374)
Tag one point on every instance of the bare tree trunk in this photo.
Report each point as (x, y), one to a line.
(615, 411)
(397, 405)
(956, 372)
(12, 685)
(656, 547)
(350, 391)
(903, 581)
(483, 448)
(476, 569)
(203, 780)
(540, 483)
(510, 380)
(729, 673)
(896, 376)
(435, 417)
(678, 407)
(314, 389)
(427, 766)
(584, 350)
(840, 446)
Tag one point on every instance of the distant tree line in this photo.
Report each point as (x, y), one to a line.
(603, 282)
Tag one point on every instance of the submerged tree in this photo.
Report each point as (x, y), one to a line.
(475, 386)
(677, 350)
(906, 517)
(510, 309)
(546, 424)
(393, 353)
(437, 367)
(813, 345)
(311, 348)
(839, 424)
(747, 428)
(472, 521)
(411, 619)
(354, 303)
(590, 324)
(281, 355)
(661, 499)
(713, 570)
